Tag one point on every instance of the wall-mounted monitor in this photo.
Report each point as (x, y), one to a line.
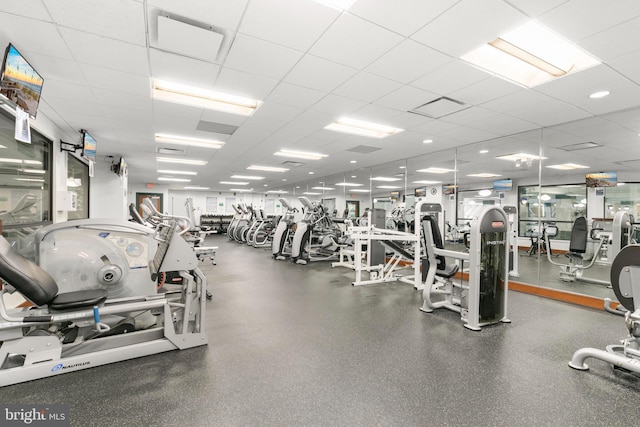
(503, 185)
(420, 192)
(602, 179)
(19, 82)
(89, 146)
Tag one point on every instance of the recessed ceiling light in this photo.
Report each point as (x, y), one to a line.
(484, 193)
(163, 178)
(311, 193)
(198, 97)
(435, 170)
(427, 141)
(403, 167)
(530, 55)
(348, 184)
(36, 171)
(353, 176)
(520, 156)
(388, 187)
(172, 172)
(300, 155)
(29, 179)
(358, 127)
(188, 187)
(311, 173)
(284, 179)
(484, 151)
(323, 188)
(354, 161)
(277, 192)
(181, 161)
(267, 168)
(359, 190)
(234, 182)
(484, 175)
(567, 166)
(265, 185)
(193, 142)
(384, 178)
(600, 94)
(249, 177)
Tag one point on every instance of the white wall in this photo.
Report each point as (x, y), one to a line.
(107, 193)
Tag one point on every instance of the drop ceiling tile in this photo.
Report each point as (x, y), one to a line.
(536, 8)
(450, 78)
(261, 58)
(70, 108)
(118, 19)
(406, 98)
(163, 108)
(537, 108)
(578, 19)
(116, 81)
(103, 52)
(244, 84)
(292, 23)
(174, 125)
(366, 87)
(225, 118)
(408, 61)
(469, 24)
(176, 68)
(69, 91)
(485, 90)
(336, 105)
(276, 112)
(575, 89)
(295, 96)
(319, 74)
(377, 114)
(490, 121)
(628, 66)
(56, 68)
(354, 42)
(31, 36)
(221, 13)
(401, 16)
(128, 102)
(607, 45)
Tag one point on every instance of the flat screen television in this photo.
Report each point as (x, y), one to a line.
(420, 192)
(19, 82)
(602, 179)
(89, 146)
(503, 185)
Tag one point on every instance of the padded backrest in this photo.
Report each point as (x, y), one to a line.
(134, 214)
(437, 238)
(27, 277)
(578, 242)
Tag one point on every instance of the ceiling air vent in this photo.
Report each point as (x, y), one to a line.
(579, 146)
(187, 37)
(363, 149)
(440, 107)
(174, 151)
(216, 127)
(291, 164)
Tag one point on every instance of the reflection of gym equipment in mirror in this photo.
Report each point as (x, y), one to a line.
(283, 234)
(27, 210)
(483, 300)
(625, 281)
(540, 234)
(618, 238)
(69, 331)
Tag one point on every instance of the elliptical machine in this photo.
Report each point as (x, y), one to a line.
(283, 235)
(316, 236)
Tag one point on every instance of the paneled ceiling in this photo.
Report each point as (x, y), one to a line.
(310, 65)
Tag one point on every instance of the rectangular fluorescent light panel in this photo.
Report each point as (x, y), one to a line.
(277, 192)
(435, 170)
(520, 156)
(388, 187)
(181, 161)
(300, 155)
(195, 188)
(36, 171)
(384, 179)
(249, 177)
(235, 182)
(425, 181)
(311, 193)
(266, 168)
(29, 179)
(192, 142)
(340, 5)
(164, 178)
(484, 175)
(567, 166)
(241, 190)
(323, 188)
(359, 190)
(358, 127)
(348, 184)
(530, 55)
(172, 172)
(203, 98)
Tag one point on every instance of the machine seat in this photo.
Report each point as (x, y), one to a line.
(449, 271)
(38, 286)
(78, 299)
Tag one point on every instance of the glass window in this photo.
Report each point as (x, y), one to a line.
(78, 186)
(622, 197)
(25, 184)
(559, 205)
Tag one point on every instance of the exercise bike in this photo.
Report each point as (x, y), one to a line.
(316, 236)
(283, 234)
